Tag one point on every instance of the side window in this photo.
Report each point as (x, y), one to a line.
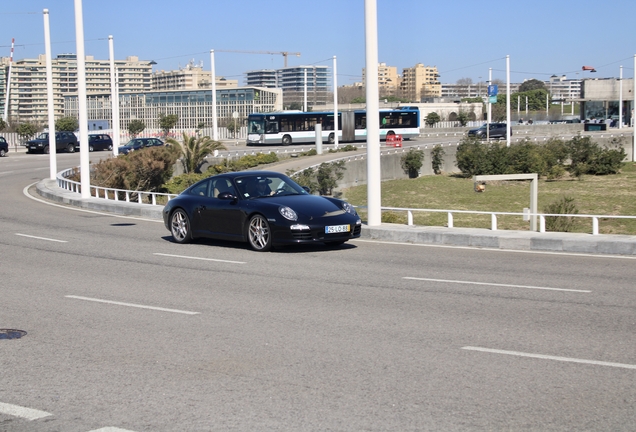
(201, 189)
(222, 185)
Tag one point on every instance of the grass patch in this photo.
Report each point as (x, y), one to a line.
(598, 195)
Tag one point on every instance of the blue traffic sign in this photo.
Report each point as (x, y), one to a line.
(493, 90)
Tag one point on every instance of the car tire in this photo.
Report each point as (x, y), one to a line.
(331, 139)
(46, 150)
(2, 153)
(70, 148)
(110, 147)
(259, 234)
(90, 148)
(287, 140)
(180, 226)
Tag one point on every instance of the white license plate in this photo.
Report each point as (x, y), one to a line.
(333, 229)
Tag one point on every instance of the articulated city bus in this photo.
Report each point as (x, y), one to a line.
(300, 127)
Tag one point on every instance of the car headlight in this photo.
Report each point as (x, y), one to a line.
(348, 208)
(288, 213)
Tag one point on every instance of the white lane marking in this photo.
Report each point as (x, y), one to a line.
(26, 193)
(41, 238)
(133, 305)
(6, 172)
(549, 357)
(111, 429)
(497, 285)
(26, 413)
(473, 248)
(202, 259)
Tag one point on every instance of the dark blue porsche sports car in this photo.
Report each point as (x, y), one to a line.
(264, 208)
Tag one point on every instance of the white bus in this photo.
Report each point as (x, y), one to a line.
(300, 127)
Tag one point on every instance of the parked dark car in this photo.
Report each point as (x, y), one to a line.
(4, 147)
(497, 130)
(262, 208)
(64, 141)
(139, 143)
(98, 142)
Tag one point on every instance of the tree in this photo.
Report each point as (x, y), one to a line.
(432, 118)
(194, 150)
(412, 161)
(462, 118)
(167, 122)
(67, 124)
(135, 127)
(26, 130)
(532, 84)
(3, 125)
(465, 81)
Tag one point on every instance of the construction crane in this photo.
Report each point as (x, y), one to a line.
(283, 53)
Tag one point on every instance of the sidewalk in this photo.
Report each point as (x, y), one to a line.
(465, 237)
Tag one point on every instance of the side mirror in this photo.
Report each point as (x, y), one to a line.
(307, 189)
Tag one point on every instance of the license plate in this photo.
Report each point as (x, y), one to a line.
(333, 229)
(32, 148)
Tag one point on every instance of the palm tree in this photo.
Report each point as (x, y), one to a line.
(194, 150)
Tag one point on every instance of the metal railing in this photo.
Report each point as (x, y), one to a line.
(493, 216)
(139, 197)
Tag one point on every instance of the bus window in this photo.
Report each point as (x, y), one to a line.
(256, 126)
(272, 127)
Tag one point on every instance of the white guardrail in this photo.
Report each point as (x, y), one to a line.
(113, 194)
(109, 193)
(493, 216)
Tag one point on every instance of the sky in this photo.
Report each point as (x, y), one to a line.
(463, 38)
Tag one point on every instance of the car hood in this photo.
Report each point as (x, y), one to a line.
(309, 206)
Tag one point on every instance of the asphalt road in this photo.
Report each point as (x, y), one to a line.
(129, 331)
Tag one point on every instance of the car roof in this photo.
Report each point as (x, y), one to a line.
(236, 174)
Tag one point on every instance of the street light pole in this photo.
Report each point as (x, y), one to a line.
(85, 175)
(374, 186)
(49, 93)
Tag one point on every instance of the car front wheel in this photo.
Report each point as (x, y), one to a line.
(70, 148)
(259, 234)
(180, 227)
(2, 153)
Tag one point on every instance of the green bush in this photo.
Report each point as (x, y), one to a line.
(324, 179)
(145, 170)
(565, 206)
(437, 158)
(472, 157)
(412, 161)
(549, 160)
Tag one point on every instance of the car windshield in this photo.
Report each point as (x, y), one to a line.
(43, 136)
(262, 186)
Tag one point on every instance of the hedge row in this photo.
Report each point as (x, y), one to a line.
(578, 156)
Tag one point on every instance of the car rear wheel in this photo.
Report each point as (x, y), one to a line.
(180, 227)
(90, 148)
(2, 153)
(259, 234)
(46, 150)
(70, 148)
(110, 147)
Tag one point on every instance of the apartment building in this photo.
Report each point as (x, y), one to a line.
(420, 83)
(28, 93)
(191, 77)
(265, 78)
(293, 81)
(388, 79)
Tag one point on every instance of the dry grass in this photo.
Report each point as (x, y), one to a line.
(597, 195)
